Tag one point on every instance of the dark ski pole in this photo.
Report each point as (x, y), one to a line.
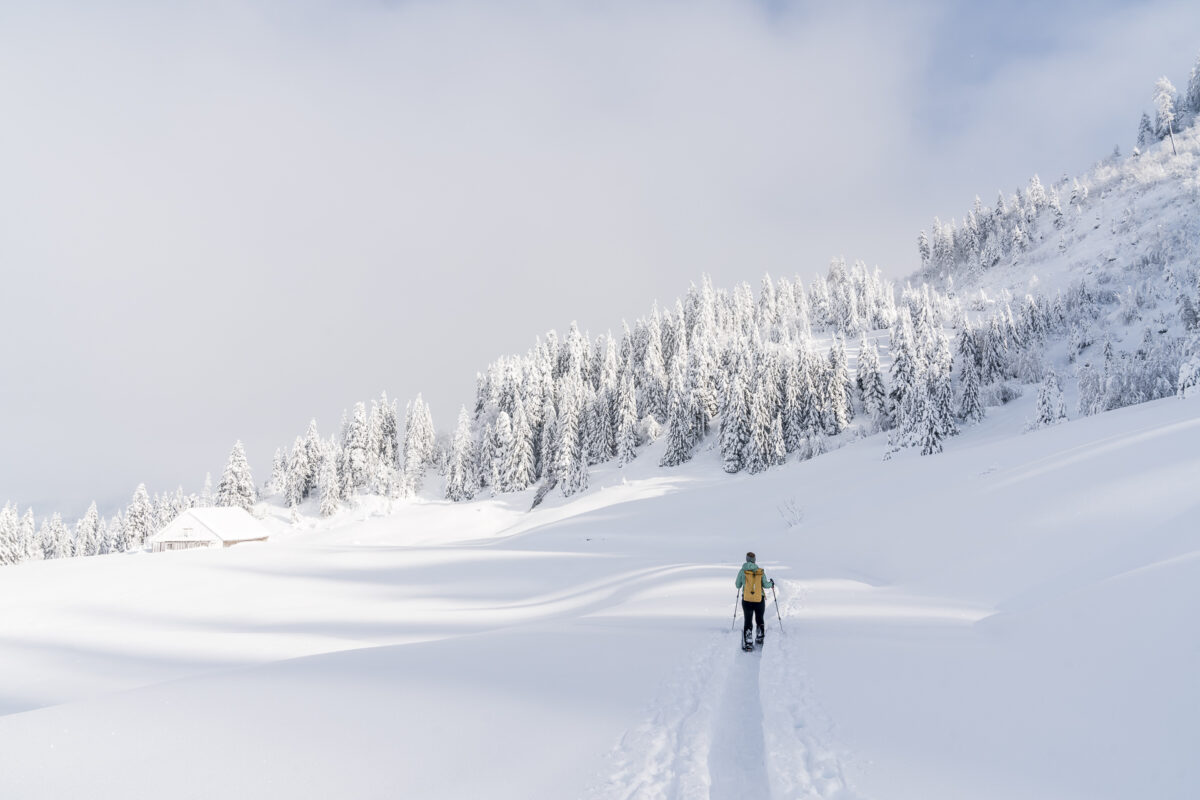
(777, 614)
(733, 625)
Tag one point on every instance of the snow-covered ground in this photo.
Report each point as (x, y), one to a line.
(1026, 629)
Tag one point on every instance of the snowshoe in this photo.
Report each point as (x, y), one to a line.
(759, 635)
(747, 642)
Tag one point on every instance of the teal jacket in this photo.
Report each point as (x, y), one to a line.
(741, 577)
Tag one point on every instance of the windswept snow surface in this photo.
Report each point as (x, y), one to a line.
(1013, 618)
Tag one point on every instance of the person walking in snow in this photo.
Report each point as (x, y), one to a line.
(751, 581)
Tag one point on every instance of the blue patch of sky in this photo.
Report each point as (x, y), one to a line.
(972, 42)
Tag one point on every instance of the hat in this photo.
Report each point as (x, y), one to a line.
(749, 556)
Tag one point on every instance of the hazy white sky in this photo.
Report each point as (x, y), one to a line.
(222, 219)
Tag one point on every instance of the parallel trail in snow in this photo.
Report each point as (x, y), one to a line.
(731, 725)
(801, 764)
(737, 758)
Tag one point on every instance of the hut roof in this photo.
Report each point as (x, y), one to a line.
(230, 524)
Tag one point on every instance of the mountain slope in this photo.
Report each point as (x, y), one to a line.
(1025, 630)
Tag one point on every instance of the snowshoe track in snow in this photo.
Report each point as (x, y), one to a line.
(736, 759)
(730, 725)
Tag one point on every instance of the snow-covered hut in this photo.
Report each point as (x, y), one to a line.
(208, 527)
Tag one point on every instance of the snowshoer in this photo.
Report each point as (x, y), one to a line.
(752, 583)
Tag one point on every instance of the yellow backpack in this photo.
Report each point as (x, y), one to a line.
(752, 590)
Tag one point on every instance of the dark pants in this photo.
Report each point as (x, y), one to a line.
(753, 609)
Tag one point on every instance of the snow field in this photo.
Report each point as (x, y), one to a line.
(1012, 618)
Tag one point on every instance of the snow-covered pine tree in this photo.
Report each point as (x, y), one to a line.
(767, 310)
(574, 355)
(296, 476)
(1188, 382)
(11, 550)
(485, 448)
(315, 451)
(653, 400)
(870, 378)
(1145, 134)
(776, 448)
(1051, 409)
(44, 542)
(906, 373)
(571, 467)
(1091, 390)
(112, 529)
(842, 385)
(929, 428)
(742, 314)
(626, 359)
(140, 513)
(785, 306)
(993, 352)
(759, 449)
(941, 394)
(500, 453)
(577, 477)
(103, 537)
(28, 548)
(609, 369)
(28, 536)
(803, 324)
(278, 483)
(419, 443)
(1164, 104)
(237, 484)
(519, 469)
(87, 532)
(1056, 212)
(162, 512)
(1037, 195)
(329, 483)
(595, 434)
(1029, 363)
(547, 453)
(532, 394)
(461, 481)
(679, 336)
(627, 420)
(827, 399)
(388, 431)
(970, 406)
(54, 538)
(1191, 100)
(735, 426)
(923, 251)
(355, 467)
(812, 415)
(680, 419)
(792, 419)
(65, 538)
(385, 478)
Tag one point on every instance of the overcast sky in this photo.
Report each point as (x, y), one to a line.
(220, 220)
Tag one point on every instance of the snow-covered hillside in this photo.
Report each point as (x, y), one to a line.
(1024, 630)
(1114, 253)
